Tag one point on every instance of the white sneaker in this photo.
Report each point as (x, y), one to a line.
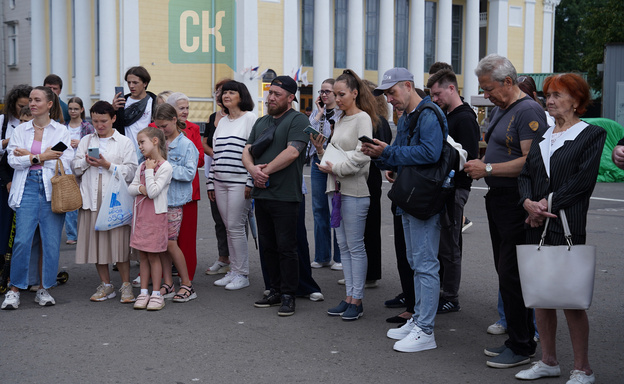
(218, 268)
(316, 296)
(136, 283)
(225, 280)
(336, 267)
(538, 370)
(401, 332)
(416, 341)
(11, 300)
(238, 282)
(43, 298)
(314, 264)
(496, 329)
(580, 377)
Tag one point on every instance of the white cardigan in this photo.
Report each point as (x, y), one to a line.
(156, 185)
(120, 152)
(23, 137)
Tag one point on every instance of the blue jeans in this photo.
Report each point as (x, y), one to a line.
(422, 239)
(35, 210)
(71, 225)
(501, 312)
(320, 211)
(350, 237)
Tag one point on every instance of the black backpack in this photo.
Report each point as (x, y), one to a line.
(418, 189)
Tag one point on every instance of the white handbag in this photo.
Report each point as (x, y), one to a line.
(557, 276)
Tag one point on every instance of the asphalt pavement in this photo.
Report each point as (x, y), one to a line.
(221, 338)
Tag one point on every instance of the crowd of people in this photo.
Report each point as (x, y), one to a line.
(146, 142)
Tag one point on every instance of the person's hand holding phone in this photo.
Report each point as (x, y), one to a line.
(119, 101)
(372, 147)
(99, 161)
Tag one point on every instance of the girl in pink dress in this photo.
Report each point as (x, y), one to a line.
(149, 227)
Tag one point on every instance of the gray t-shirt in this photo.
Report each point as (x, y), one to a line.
(524, 120)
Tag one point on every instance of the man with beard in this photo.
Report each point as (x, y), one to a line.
(464, 129)
(274, 156)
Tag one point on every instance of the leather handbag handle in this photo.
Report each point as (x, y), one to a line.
(564, 223)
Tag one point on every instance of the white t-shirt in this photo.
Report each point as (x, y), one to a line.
(103, 141)
(143, 122)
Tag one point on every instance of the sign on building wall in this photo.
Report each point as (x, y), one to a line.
(202, 32)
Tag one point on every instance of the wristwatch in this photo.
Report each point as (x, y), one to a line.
(35, 159)
(488, 169)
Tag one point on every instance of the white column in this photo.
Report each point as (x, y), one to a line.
(322, 44)
(38, 47)
(417, 42)
(445, 29)
(58, 41)
(385, 50)
(497, 27)
(529, 36)
(247, 43)
(471, 55)
(548, 35)
(292, 38)
(129, 29)
(355, 36)
(82, 22)
(108, 51)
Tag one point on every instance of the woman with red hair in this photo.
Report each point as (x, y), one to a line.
(564, 162)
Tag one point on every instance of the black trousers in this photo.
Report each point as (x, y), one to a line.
(406, 274)
(372, 231)
(506, 221)
(277, 232)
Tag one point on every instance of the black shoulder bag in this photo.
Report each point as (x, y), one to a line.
(418, 188)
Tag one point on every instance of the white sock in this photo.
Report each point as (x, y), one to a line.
(144, 292)
(155, 293)
(108, 285)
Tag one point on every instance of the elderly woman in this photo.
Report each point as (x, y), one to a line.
(565, 163)
(187, 239)
(34, 160)
(116, 152)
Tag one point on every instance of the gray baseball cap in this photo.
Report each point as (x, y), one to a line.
(391, 77)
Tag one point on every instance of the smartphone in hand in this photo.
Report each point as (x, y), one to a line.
(60, 147)
(94, 152)
(119, 90)
(311, 131)
(366, 139)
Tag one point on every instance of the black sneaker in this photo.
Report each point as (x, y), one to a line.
(273, 298)
(397, 302)
(288, 306)
(445, 306)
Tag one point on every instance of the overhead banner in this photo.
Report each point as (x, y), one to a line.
(202, 32)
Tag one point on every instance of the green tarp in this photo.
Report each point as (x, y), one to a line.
(608, 172)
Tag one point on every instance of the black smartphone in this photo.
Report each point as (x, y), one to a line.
(60, 147)
(119, 90)
(321, 103)
(311, 131)
(366, 139)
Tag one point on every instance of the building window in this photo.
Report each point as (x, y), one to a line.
(340, 35)
(456, 39)
(401, 33)
(12, 43)
(12, 4)
(372, 34)
(430, 33)
(307, 32)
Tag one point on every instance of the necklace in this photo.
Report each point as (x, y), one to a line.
(36, 126)
(222, 114)
(233, 118)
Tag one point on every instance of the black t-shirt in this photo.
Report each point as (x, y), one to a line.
(464, 129)
(210, 129)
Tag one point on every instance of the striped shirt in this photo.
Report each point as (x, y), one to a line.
(228, 144)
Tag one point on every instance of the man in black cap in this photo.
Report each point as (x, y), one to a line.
(274, 156)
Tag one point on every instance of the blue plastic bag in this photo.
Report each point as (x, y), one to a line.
(116, 208)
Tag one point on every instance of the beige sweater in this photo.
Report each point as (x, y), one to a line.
(351, 174)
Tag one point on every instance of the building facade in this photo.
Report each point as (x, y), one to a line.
(189, 45)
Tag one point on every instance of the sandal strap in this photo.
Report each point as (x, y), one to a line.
(168, 288)
(188, 291)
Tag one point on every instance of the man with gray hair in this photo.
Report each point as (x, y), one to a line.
(515, 121)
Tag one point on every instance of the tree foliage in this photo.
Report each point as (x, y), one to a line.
(582, 29)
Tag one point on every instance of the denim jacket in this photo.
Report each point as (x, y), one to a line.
(425, 146)
(183, 157)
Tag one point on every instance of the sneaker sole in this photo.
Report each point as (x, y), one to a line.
(110, 296)
(46, 303)
(10, 306)
(335, 313)
(494, 354)
(424, 347)
(266, 305)
(508, 365)
(127, 301)
(466, 226)
(284, 314)
(156, 308)
(235, 288)
(219, 271)
(353, 318)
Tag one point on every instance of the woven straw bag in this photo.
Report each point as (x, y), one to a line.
(66, 195)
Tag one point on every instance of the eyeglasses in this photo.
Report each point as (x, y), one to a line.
(325, 92)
